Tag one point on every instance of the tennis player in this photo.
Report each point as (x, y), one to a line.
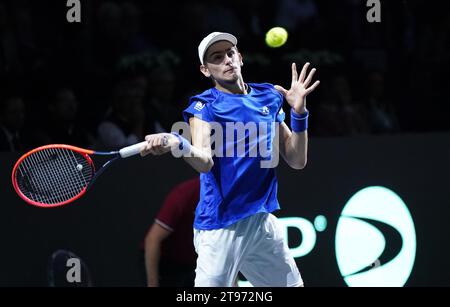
(234, 229)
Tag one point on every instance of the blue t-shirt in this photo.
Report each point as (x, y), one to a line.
(237, 186)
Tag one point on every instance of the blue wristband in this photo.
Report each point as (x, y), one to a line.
(185, 146)
(299, 122)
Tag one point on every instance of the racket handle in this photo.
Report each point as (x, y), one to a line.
(132, 150)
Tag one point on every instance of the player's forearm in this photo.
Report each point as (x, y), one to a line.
(297, 149)
(200, 160)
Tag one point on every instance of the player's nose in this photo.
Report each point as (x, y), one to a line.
(228, 60)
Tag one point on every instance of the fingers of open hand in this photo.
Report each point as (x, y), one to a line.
(313, 87)
(294, 74)
(303, 72)
(309, 78)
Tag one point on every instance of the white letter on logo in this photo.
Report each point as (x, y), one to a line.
(74, 274)
(217, 139)
(374, 14)
(241, 130)
(307, 230)
(74, 14)
(273, 152)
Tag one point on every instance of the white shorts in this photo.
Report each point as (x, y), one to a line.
(255, 246)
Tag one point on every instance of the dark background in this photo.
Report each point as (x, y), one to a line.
(377, 78)
(379, 117)
(105, 227)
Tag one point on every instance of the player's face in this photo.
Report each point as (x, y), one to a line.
(222, 62)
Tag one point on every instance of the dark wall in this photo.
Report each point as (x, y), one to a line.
(106, 226)
(415, 167)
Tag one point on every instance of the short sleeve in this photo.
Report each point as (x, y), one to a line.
(169, 214)
(179, 204)
(280, 116)
(198, 109)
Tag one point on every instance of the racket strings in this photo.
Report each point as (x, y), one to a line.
(54, 176)
(59, 183)
(72, 183)
(62, 191)
(41, 191)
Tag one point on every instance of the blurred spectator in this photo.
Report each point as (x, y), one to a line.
(118, 33)
(382, 114)
(64, 125)
(12, 120)
(10, 61)
(109, 40)
(410, 45)
(222, 17)
(136, 41)
(124, 123)
(258, 17)
(161, 107)
(292, 14)
(338, 114)
(169, 249)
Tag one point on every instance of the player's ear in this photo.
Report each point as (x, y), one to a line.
(205, 71)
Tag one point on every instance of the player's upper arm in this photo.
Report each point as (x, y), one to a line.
(200, 157)
(198, 116)
(201, 134)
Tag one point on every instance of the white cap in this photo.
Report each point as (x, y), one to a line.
(211, 39)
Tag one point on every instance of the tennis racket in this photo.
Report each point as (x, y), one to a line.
(55, 175)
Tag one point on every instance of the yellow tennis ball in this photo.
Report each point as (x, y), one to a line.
(276, 37)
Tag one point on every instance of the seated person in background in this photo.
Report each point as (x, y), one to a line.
(381, 111)
(63, 125)
(125, 120)
(12, 120)
(170, 257)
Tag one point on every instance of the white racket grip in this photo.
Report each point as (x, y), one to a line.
(132, 150)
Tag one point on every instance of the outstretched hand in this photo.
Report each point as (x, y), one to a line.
(296, 95)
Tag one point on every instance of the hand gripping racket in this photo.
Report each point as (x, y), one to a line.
(55, 175)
